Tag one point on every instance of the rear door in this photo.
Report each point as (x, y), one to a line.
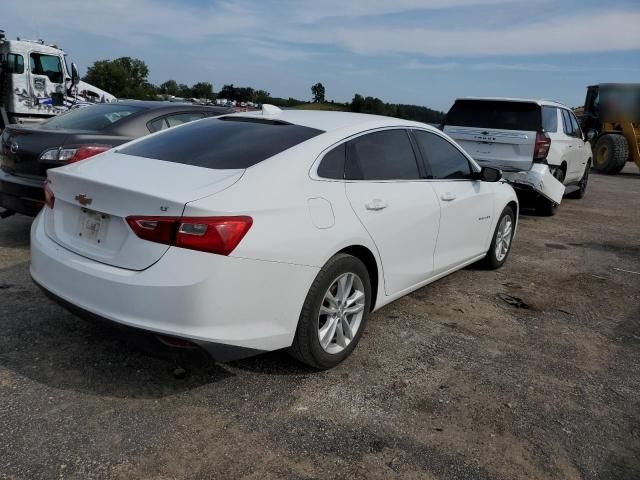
(573, 146)
(496, 133)
(396, 206)
(466, 204)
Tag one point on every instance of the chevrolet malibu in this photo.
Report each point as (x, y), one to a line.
(260, 231)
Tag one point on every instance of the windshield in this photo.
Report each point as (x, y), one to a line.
(503, 115)
(94, 117)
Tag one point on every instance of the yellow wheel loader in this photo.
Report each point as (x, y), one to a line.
(611, 120)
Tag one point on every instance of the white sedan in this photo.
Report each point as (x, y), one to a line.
(266, 230)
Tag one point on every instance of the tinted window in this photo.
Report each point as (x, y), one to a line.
(48, 65)
(95, 117)
(502, 115)
(445, 160)
(574, 125)
(157, 125)
(568, 128)
(550, 119)
(15, 63)
(385, 155)
(179, 119)
(332, 164)
(222, 143)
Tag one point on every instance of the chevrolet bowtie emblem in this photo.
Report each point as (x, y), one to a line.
(83, 199)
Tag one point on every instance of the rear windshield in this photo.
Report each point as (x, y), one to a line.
(501, 115)
(222, 143)
(94, 117)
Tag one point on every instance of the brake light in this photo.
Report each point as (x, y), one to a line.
(542, 146)
(73, 154)
(220, 235)
(49, 197)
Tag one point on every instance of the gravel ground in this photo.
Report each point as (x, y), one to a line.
(450, 382)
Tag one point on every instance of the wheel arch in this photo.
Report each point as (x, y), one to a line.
(366, 256)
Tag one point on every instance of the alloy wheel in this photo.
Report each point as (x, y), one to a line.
(341, 313)
(503, 238)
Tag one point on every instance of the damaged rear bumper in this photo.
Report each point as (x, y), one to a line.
(539, 180)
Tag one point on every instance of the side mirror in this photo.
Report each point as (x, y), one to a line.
(488, 174)
(75, 76)
(591, 134)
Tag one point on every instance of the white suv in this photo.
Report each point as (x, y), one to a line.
(516, 134)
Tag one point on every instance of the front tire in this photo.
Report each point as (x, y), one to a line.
(334, 314)
(501, 242)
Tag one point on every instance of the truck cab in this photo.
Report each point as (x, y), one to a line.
(36, 82)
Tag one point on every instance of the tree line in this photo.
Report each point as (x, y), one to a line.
(127, 77)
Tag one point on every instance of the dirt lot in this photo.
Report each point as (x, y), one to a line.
(450, 382)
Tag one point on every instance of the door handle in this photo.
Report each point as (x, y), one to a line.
(448, 197)
(376, 204)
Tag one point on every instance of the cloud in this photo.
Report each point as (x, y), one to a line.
(571, 34)
(418, 65)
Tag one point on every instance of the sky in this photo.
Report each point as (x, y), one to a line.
(425, 52)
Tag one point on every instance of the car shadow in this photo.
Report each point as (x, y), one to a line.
(14, 231)
(46, 344)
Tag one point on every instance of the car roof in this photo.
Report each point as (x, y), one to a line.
(329, 121)
(539, 101)
(155, 105)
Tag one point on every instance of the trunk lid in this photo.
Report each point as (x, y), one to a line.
(496, 133)
(508, 150)
(94, 197)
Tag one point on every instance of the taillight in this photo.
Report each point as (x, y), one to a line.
(49, 197)
(220, 235)
(73, 154)
(542, 146)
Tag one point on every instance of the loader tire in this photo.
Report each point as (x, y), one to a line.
(611, 153)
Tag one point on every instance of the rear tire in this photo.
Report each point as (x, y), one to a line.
(582, 186)
(327, 305)
(611, 153)
(503, 236)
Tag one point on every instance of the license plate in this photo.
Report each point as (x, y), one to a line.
(93, 226)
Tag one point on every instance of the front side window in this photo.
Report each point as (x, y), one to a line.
(445, 160)
(550, 119)
(48, 65)
(385, 155)
(15, 63)
(332, 164)
(574, 124)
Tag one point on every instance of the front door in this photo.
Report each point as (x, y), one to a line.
(398, 208)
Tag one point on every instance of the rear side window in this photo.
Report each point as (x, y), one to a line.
(385, 155)
(179, 119)
(445, 160)
(332, 164)
(15, 63)
(222, 143)
(569, 127)
(550, 119)
(502, 115)
(157, 125)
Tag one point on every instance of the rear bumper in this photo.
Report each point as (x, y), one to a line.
(538, 180)
(232, 307)
(21, 195)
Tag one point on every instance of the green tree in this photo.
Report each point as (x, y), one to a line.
(318, 93)
(357, 103)
(202, 90)
(170, 87)
(124, 77)
(262, 96)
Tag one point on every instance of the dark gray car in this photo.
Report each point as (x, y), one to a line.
(27, 152)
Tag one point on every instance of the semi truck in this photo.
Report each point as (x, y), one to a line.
(37, 83)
